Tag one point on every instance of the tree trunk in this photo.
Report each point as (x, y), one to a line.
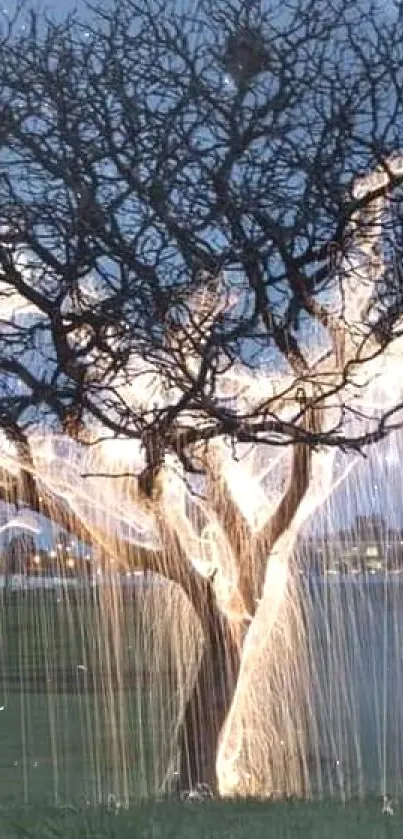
(209, 702)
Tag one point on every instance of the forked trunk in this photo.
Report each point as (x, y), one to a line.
(281, 761)
(208, 703)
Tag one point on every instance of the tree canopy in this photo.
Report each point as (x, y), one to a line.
(178, 201)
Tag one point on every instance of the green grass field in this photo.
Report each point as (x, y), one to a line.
(70, 731)
(213, 820)
(58, 742)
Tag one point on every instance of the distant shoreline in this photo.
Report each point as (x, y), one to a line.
(26, 582)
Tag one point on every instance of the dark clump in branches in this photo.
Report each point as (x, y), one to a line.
(246, 54)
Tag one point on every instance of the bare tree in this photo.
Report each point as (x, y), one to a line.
(200, 221)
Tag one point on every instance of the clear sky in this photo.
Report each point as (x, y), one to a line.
(56, 8)
(62, 6)
(59, 8)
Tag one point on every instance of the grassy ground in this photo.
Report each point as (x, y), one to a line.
(50, 750)
(208, 821)
(58, 744)
(68, 734)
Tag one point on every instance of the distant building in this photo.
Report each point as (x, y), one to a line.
(369, 545)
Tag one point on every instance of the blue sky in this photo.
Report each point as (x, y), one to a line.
(62, 6)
